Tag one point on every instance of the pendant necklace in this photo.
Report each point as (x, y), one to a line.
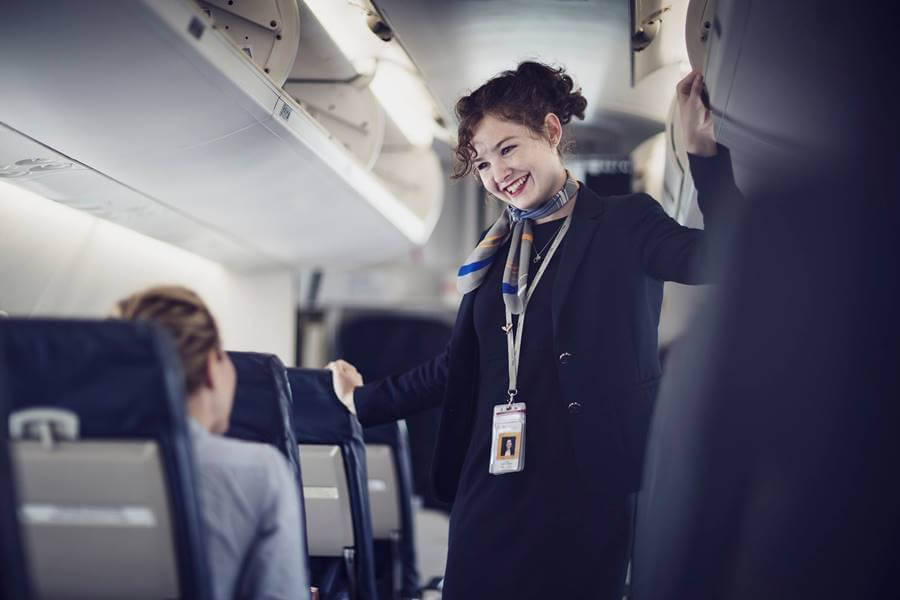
(540, 255)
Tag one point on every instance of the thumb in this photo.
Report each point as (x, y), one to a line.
(697, 86)
(686, 85)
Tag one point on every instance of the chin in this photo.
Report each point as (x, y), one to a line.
(527, 203)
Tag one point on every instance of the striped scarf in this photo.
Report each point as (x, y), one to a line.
(515, 274)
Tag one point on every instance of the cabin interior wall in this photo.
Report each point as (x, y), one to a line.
(61, 262)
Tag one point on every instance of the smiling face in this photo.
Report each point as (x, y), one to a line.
(516, 164)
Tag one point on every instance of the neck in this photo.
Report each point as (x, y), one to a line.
(566, 209)
(199, 408)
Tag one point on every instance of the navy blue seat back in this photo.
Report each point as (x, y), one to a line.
(381, 344)
(14, 580)
(320, 418)
(124, 381)
(395, 435)
(263, 408)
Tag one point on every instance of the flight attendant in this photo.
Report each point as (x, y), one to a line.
(573, 384)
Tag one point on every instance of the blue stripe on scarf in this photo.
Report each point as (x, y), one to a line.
(508, 288)
(475, 266)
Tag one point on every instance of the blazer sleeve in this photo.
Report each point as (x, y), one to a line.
(671, 252)
(399, 396)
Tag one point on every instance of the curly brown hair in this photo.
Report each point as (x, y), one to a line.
(184, 315)
(523, 96)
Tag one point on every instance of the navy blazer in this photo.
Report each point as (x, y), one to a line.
(605, 307)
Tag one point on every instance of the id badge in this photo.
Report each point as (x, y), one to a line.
(508, 444)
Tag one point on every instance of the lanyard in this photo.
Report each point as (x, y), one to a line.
(514, 340)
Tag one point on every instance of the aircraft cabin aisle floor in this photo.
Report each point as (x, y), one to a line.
(431, 546)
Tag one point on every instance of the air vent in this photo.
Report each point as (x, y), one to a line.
(28, 167)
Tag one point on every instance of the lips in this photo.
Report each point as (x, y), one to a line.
(514, 188)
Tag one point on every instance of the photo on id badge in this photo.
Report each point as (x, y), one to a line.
(507, 445)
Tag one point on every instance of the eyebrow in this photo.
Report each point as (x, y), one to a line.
(496, 146)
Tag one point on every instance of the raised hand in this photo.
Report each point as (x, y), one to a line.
(345, 378)
(696, 120)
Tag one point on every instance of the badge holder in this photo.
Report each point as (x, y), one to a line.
(508, 433)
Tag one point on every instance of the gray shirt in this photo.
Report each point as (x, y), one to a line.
(251, 515)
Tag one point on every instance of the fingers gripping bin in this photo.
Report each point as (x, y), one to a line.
(263, 412)
(103, 460)
(390, 493)
(333, 457)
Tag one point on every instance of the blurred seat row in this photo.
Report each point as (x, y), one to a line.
(99, 481)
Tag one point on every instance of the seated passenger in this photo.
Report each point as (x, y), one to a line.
(249, 501)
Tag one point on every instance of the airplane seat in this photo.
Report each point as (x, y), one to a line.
(263, 411)
(333, 457)
(390, 493)
(381, 343)
(103, 460)
(14, 579)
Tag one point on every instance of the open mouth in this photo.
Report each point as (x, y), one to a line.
(515, 188)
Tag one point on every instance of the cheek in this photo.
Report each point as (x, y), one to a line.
(484, 180)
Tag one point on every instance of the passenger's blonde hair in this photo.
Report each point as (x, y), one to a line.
(186, 317)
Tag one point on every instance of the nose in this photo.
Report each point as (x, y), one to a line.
(502, 173)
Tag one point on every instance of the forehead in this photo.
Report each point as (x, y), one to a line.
(491, 130)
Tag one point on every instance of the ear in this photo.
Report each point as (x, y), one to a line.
(553, 128)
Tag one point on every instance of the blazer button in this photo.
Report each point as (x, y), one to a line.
(575, 408)
(564, 358)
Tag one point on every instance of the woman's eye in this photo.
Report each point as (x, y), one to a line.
(506, 150)
(481, 166)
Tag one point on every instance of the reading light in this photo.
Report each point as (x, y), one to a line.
(406, 101)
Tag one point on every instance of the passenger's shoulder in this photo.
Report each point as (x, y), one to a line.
(238, 454)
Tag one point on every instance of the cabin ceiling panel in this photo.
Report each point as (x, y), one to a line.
(460, 44)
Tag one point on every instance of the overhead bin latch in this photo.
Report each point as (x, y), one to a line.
(46, 425)
(648, 29)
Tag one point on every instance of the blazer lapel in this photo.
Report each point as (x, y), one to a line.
(585, 219)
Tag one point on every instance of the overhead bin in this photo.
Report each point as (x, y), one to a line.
(358, 86)
(349, 111)
(267, 31)
(170, 114)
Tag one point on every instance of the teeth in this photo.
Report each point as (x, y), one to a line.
(515, 185)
